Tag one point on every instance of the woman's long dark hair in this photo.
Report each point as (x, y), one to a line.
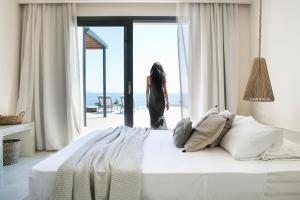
(157, 74)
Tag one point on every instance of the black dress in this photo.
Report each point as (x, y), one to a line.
(157, 106)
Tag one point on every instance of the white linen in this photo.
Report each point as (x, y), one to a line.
(169, 174)
(106, 167)
(248, 139)
(50, 74)
(42, 178)
(207, 57)
(288, 150)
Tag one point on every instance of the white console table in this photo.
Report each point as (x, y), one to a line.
(24, 132)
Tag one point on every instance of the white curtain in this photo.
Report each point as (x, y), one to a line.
(207, 35)
(50, 74)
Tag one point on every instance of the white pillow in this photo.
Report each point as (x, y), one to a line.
(237, 118)
(248, 139)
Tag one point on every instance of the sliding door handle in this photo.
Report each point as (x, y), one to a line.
(129, 87)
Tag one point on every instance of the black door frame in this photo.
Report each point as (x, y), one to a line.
(127, 23)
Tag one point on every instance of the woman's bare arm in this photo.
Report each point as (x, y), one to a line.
(147, 90)
(166, 94)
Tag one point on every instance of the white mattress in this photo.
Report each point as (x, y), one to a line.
(169, 174)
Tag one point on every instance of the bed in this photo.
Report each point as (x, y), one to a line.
(170, 174)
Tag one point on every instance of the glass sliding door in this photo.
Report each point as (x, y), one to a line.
(111, 96)
(103, 62)
(155, 42)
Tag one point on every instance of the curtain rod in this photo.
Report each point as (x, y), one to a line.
(133, 1)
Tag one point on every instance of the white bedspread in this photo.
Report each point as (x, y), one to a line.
(106, 167)
(169, 174)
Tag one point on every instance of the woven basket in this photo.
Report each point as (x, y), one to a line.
(11, 151)
(12, 119)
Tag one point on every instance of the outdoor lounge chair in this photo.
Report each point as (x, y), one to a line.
(109, 103)
(122, 104)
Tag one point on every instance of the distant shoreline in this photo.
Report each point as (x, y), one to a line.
(139, 98)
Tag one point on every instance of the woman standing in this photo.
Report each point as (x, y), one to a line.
(157, 96)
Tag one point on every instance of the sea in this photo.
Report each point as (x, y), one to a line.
(138, 98)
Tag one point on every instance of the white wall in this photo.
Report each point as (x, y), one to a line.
(281, 48)
(9, 55)
(244, 57)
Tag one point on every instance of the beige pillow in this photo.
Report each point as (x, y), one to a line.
(229, 117)
(205, 133)
(211, 111)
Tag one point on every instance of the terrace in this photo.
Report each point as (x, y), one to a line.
(141, 118)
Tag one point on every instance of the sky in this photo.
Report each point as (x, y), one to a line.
(151, 43)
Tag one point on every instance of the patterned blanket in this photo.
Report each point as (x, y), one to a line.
(107, 167)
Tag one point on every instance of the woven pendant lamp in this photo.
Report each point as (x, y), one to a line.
(259, 86)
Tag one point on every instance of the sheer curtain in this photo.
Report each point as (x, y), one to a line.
(207, 57)
(50, 74)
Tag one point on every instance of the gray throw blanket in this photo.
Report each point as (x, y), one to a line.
(107, 167)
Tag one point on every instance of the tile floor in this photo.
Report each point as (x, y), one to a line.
(14, 180)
